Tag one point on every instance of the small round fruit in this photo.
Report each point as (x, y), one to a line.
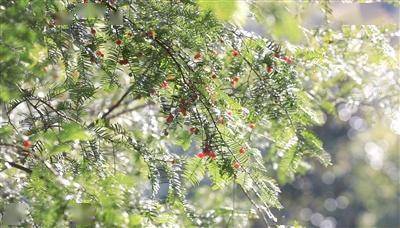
(99, 54)
(198, 56)
(123, 61)
(183, 111)
(211, 154)
(193, 130)
(170, 118)
(151, 34)
(287, 60)
(27, 144)
(236, 165)
(200, 155)
(164, 84)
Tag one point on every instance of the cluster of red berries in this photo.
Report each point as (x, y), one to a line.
(207, 152)
(287, 59)
(183, 104)
(198, 56)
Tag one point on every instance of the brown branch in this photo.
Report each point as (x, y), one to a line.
(127, 110)
(104, 116)
(20, 167)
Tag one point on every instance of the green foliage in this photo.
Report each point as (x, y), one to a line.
(73, 131)
(119, 105)
(195, 170)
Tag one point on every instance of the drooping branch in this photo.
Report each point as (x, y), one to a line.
(20, 167)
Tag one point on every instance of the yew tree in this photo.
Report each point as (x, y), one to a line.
(126, 109)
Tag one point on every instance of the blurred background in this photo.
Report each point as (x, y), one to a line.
(353, 70)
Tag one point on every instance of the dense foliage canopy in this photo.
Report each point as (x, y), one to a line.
(125, 110)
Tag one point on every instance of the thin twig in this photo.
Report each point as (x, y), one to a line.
(104, 116)
(20, 167)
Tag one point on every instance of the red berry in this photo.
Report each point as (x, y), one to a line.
(193, 130)
(200, 155)
(27, 144)
(270, 69)
(252, 126)
(170, 118)
(164, 84)
(93, 31)
(118, 42)
(197, 56)
(236, 165)
(183, 111)
(287, 60)
(229, 113)
(99, 54)
(235, 53)
(242, 150)
(211, 154)
(151, 34)
(234, 81)
(123, 61)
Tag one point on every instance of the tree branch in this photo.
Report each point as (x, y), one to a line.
(20, 167)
